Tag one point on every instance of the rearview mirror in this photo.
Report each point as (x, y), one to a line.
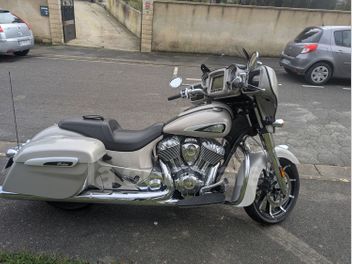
(253, 62)
(245, 53)
(176, 82)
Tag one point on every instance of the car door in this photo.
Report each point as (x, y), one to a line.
(341, 49)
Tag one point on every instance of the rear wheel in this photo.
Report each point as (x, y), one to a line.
(270, 205)
(68, 206)
(319, 74)
(21, 53)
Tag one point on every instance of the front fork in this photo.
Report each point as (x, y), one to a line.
(270, 148)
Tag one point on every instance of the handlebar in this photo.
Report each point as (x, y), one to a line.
(241, 80)
(173, 97)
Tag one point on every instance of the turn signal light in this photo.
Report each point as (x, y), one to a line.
(309, 48)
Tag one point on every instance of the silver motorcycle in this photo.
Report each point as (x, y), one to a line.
(187, 161)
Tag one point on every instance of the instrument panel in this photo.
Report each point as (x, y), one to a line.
(218, 82)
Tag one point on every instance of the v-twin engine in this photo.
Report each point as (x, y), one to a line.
(193, 162)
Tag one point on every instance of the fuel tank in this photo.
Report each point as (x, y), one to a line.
(207, 121)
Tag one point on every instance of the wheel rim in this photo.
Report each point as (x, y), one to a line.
(269, 201)
(320, 74)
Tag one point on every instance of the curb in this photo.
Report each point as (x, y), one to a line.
(324, 172)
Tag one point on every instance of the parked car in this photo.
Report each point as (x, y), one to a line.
(15, 34)
(319, 53)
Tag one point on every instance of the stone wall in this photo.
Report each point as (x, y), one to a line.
(225, 29)
(126, 15)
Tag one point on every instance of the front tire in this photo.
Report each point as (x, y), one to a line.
(264, 209)
(21, 53)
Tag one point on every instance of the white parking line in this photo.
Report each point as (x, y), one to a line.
(175, 71)
(346, 88)
(313, 86)
(279, 84)
(193, 79)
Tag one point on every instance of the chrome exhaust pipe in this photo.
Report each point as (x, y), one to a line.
(152, 198)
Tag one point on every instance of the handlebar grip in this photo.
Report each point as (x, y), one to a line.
(174, 97)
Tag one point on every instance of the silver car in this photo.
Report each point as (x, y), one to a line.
(15, 35)
(319, 53)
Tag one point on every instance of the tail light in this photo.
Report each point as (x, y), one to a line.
(1, 30)
(309, 48)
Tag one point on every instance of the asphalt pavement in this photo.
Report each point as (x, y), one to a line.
(57, 82)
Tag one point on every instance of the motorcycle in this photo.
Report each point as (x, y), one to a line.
(184, 162)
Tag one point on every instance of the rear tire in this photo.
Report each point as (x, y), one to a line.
(69, 206)
(319, 74)
(21, 53)
(272, 215)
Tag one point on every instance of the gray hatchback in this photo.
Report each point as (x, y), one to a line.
(319, 53)
(15, 34)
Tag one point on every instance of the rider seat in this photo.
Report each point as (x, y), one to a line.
(111, 134)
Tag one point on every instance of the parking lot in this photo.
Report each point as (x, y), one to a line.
(57, 82)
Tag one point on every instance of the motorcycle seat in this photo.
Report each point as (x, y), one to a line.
(110, 133)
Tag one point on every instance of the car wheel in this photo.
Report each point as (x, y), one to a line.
(319, 73)
(21, 53)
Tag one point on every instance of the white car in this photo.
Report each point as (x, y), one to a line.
(15, 34)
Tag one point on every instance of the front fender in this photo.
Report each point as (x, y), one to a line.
(283, 152)
(247, 178)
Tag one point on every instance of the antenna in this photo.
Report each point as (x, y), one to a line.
(14, 110)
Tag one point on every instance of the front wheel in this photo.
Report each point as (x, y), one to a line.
(270, 205)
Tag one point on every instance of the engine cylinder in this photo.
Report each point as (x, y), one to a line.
(190, 160)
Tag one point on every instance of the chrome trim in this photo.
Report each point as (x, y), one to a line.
(241, 180)
(10, 153)
(279, 123)
(211, 175)
(161, 197)
(60, 162)
(211, 186)
(168, 181)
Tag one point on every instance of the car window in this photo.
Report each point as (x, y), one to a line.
(343, 38)
(8, 18)
(309, 35)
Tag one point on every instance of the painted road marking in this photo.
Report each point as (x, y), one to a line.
(295, 245)
(2, 154)
(286, 240)
(313, 86)
(279, 84)
(109, 60)
(175, 71)
(193, 79)
(346, 88)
